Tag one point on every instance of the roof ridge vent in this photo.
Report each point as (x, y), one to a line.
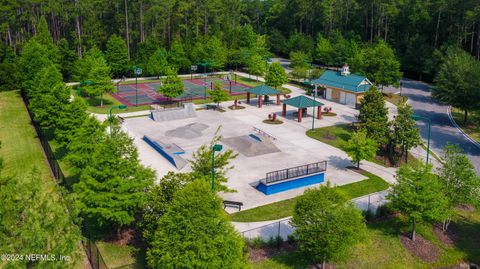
(345, 70)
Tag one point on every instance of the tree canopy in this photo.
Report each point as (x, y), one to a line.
(326, 223)
(276, 76)
(211, 241)
(373, 115)
(419, 195)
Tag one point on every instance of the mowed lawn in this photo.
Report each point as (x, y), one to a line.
(285, 208)
(381, 248)
(21, 149)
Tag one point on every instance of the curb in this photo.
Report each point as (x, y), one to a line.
(449, 112)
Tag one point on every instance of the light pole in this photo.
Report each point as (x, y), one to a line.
(216, 147)
(110, 117)
(418, 117)
(137, 71)
(83, 83)
(314, 102)
(204, 64)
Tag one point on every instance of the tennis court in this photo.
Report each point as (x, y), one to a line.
(193, 89)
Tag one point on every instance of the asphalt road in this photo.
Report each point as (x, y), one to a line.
(442, 129)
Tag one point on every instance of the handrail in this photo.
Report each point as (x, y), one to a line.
(256, 129)
(293, 172)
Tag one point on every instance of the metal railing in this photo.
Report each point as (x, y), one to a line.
(262, 132)
(303, 170)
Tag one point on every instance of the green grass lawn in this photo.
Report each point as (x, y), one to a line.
(337, 135)
(332, 135)
(118, 256)
(393, 98)
(472, 127)
(382, 249)
(21, 148)
(285, 208)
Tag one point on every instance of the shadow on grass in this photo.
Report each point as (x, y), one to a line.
(96, 101)
(294, 260)
(468, 232)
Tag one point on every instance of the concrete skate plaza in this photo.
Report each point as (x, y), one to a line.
(290, 148)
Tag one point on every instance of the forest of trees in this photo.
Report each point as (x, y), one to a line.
(191, 30)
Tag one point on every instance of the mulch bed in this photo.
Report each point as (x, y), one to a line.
(127, 237)
(236, 107)
(466, 208)
(260, 254)
(448, 237)
(275, 122)
(421, 248)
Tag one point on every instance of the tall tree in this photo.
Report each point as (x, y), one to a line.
(157, 63)
(116, 55)
(211, 240)
(256, 65)
(381, 65)
(33, 220)
(373, 115)
(458, 82)
(419, 195)
(461, 183)
(111, 189)
(405, 131)
(172, 84)
(276, 75)
(93, 67)
(159, 198)
(326, 223)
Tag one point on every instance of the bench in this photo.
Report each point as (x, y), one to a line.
(232, 204)
(214, 107)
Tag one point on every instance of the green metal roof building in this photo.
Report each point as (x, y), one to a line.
(343, 87)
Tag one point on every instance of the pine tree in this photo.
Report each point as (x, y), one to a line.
(111, 188)
(211, 241)
(405, 130)
(157, 63)
(373, 115)
(116, 55)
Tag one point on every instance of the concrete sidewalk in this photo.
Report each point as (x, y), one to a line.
(283, 227)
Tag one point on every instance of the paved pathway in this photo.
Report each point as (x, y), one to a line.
(442, 130)
(282, 227)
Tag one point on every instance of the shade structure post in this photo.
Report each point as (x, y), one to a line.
(300, 112)
(278, 99)
(284, 110)
(260, 101)
(319, 112)
(248, 97)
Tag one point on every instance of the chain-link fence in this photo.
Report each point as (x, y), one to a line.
(283, 228)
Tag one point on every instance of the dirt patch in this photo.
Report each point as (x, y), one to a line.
(126, 237)
(448, 237)
(421, 248)
(466, 208)
(263, 253)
